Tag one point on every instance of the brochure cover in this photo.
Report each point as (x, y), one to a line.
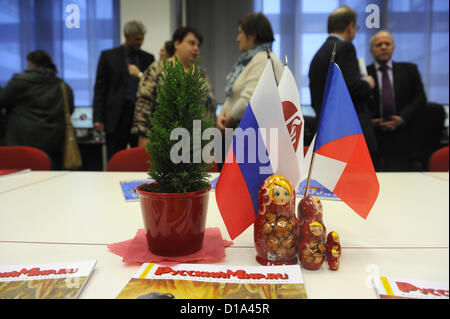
(206, 281)
(315, 189)
(45, 281)
(129, 188)
(396, 288)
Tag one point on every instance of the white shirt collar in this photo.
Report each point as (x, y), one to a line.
(388, 64)
(336, 36)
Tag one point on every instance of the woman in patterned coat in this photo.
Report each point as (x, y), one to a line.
(186, 42)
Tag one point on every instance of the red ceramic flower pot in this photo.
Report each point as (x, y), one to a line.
(174, 222)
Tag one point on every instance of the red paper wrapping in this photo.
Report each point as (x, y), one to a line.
(136, 250)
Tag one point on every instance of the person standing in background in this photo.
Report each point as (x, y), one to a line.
(167, 50)
(398, 98)
(35, 108)
(117, 80)
(185, 47)
(342, 30)
(255, 36)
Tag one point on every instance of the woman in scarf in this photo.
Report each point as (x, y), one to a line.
(255, 35)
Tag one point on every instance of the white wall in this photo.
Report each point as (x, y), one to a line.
(158, 16)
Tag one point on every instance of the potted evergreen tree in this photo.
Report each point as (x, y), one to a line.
(174, 206)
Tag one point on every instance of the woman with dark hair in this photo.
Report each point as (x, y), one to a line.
(255, 35)
(186, 44)
(35, 107)
(41, 59)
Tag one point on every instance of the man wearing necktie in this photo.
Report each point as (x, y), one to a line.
(118, 74)
(342, 27)
(397, 99)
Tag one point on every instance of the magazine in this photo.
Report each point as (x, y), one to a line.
(396, 288)
(45, 281)
(206, 281)
(129, 188)
(315, 189)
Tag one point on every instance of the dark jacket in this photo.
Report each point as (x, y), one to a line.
(111, 85)
(409, 93)
(35, 110)
(410, 102)
(359, 89)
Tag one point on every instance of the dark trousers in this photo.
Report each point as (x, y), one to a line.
(392, 155)
(56, 161)
(121, 137)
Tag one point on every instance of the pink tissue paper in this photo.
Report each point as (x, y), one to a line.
(136, 250)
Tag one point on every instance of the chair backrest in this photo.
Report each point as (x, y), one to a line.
(133, 159)
(22, 157)
(439, 160)
(214, 168)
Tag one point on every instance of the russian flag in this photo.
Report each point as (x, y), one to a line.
(261, 147)
(342, 161)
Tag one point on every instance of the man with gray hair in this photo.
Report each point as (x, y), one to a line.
(118, 73)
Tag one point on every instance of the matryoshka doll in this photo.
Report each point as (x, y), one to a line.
(334, 250)
(311, 249)
(275, 227)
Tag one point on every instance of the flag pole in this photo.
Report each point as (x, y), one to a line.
(271, 62)
(333, 55)
(309, 175)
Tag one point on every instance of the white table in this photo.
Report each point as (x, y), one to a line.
(352, 280)
(88, 207)
(70, 216)
(16, 181)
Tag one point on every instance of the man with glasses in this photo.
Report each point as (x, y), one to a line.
(342, 29)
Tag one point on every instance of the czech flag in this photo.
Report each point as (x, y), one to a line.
(261, 147)
(342, 161)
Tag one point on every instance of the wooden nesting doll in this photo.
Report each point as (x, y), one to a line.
(275, 228)
(311, 249)
(334, 250)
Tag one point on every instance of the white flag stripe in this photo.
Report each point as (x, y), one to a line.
(289, 92)
(325, 170)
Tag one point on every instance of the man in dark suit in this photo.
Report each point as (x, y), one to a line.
(342, 30)
(118, 74)
(398, 98)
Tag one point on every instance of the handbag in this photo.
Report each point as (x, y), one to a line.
(71, 152)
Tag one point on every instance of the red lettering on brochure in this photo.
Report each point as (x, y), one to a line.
(407, 287)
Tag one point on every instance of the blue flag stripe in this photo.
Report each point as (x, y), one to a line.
(335, 119)
(250, 169)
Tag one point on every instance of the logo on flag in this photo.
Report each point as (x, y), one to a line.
(239, 181)
(293, 116)
(293, 122)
